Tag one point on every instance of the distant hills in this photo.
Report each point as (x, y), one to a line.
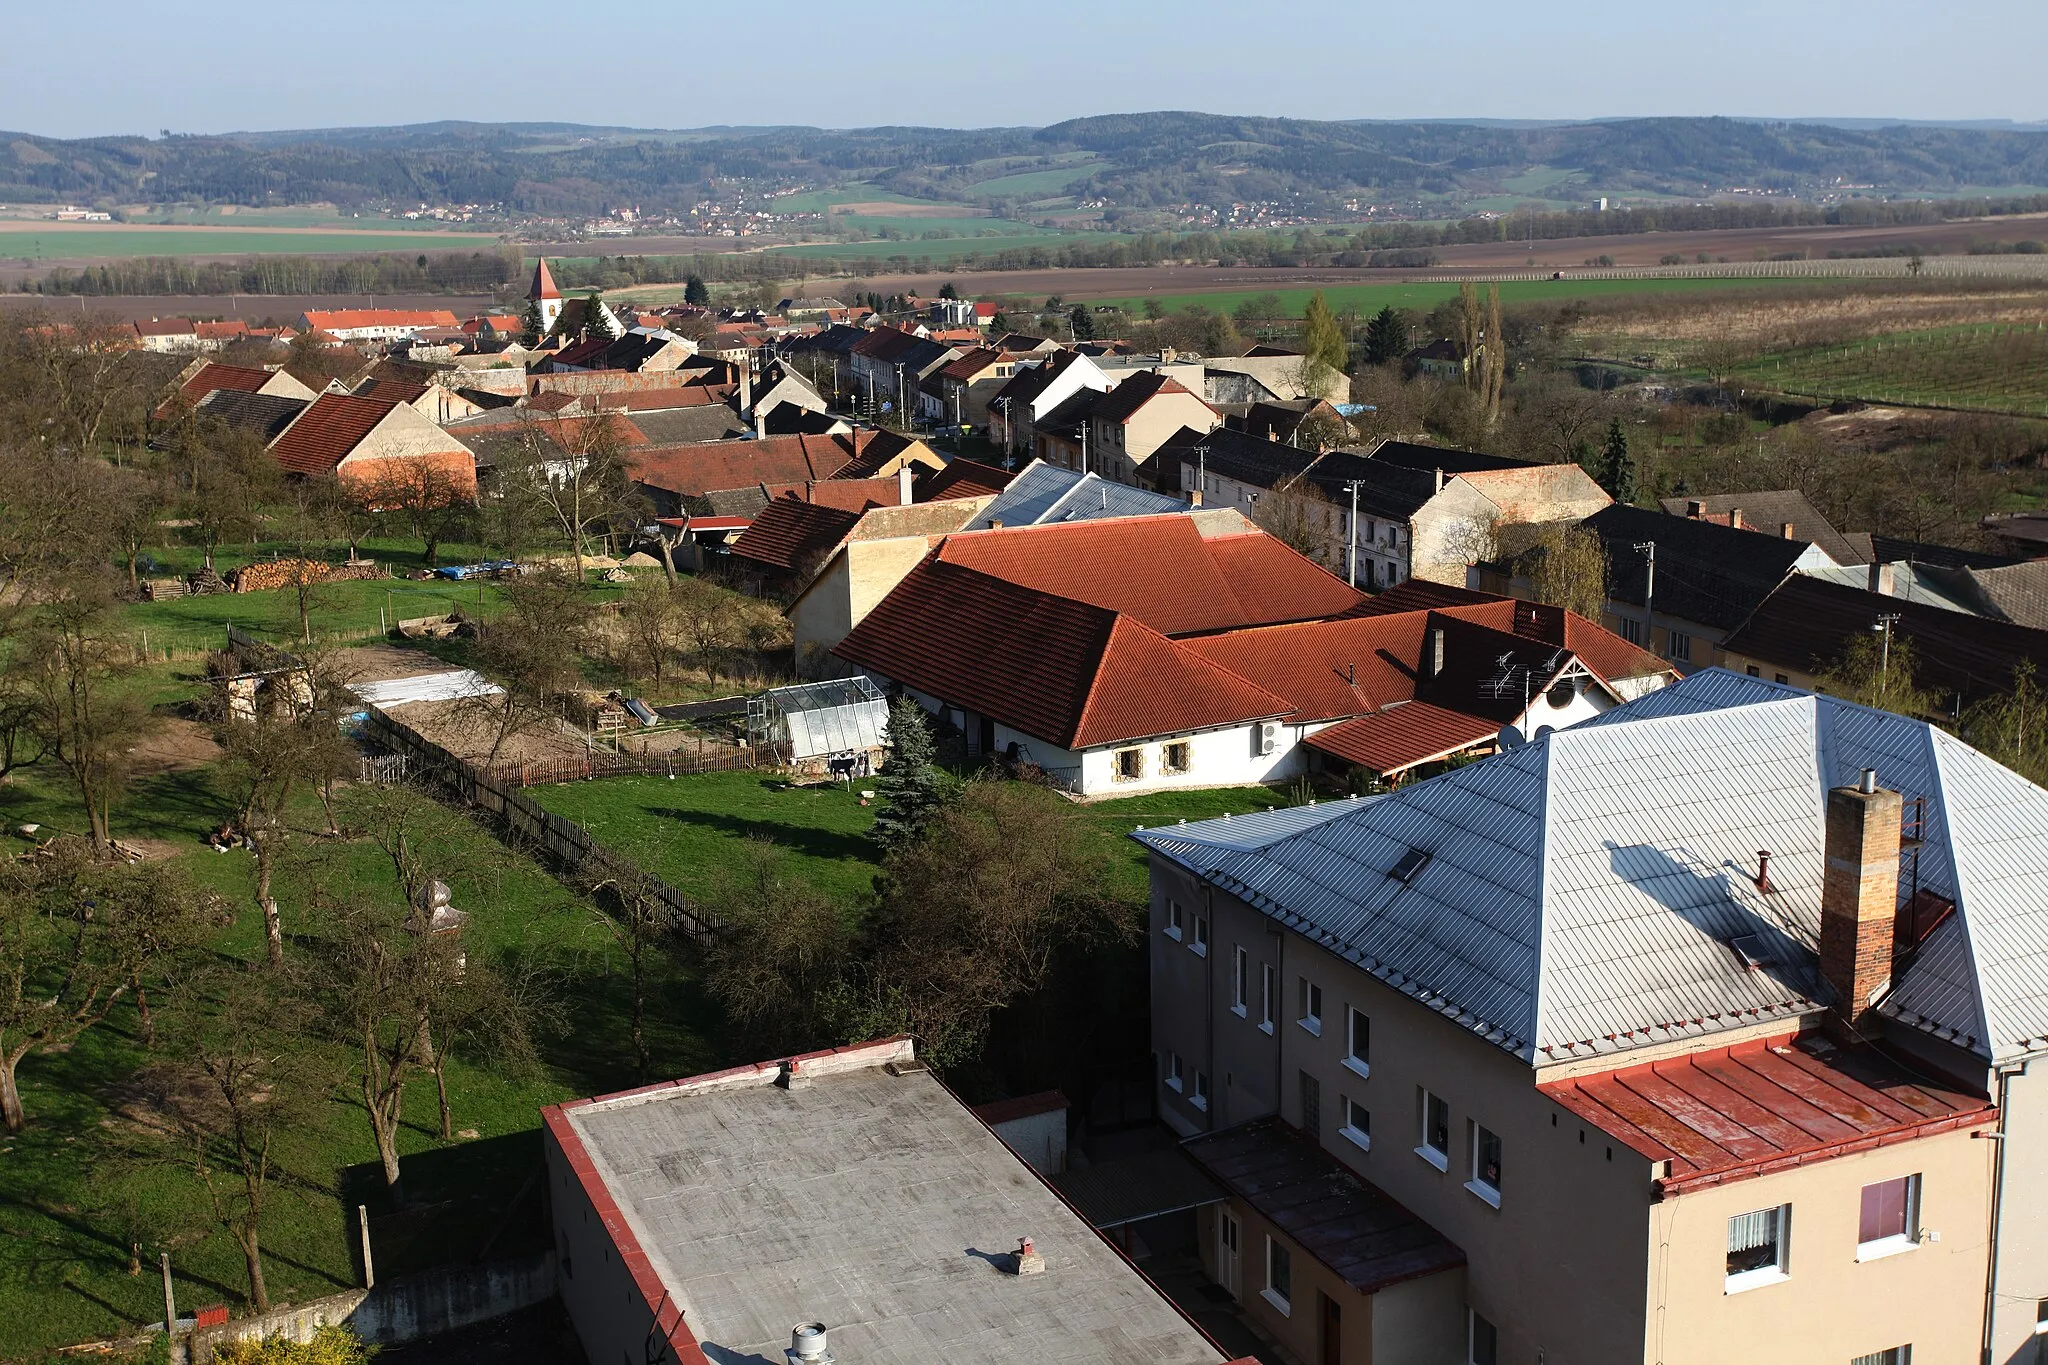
(1139, 164)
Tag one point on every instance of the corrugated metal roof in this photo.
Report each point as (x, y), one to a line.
(1043, 493)
(1582, 890)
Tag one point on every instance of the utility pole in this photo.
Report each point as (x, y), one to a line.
(1351, 556)
(170, 1300)
(1649, 548)
(1884, 665)
(1084, 445)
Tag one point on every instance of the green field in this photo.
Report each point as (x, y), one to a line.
(46, 242)
(940, 250)
(317, 216)
(1037, 183)
(913, 228)
(1370, 298)
(818, 201)
(2000, 368)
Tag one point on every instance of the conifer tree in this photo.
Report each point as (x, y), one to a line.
(1617, 465)
(1386, 337)
(694, 292)
(911, 786)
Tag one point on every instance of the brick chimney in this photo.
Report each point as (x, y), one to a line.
(1735, 517)
(1785, 529)
(1859, 898)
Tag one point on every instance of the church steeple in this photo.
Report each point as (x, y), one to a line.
(545, 296)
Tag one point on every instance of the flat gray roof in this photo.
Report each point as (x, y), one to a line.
(876, 1204)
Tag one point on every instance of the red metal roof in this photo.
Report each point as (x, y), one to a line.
(1068, 672)
(1398, 738)
(1160, 570)
(1734, 1112)
(789, 533)
(325, 433)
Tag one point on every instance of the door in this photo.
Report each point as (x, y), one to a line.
(1226, 1251)
(1332, 1331)
(987, 736)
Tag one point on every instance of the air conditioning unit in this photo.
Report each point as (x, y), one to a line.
(1269, 736)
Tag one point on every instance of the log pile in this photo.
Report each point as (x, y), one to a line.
(287, 573)
(204, 582)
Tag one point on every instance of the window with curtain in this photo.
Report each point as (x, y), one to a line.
(1756, 1246)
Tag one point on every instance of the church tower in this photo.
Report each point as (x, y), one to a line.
(545, 296)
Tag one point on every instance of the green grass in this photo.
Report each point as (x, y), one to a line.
(1996, 368)
(1538, 178)
(95, 243)
(1037, 183)
(818, 201)
(1370, 298)
(321, 216)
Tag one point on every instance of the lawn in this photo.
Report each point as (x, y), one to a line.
(62, 1259)
(50, 241)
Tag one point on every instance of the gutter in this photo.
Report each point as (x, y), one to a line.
(1998, 1137)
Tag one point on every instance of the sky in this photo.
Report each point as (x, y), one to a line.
(210, 66)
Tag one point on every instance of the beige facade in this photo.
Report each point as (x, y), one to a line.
(1123, 450)
(883, 548)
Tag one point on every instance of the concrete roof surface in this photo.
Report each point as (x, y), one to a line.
(878, 1205)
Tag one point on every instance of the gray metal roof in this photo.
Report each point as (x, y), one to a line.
(876, 1204)
(1581, 891)
(1043, 493)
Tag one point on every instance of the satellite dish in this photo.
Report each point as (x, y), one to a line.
(1544, 730)
(1509, 738)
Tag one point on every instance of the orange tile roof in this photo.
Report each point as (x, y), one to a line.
(1397, 739)
(790, 533)
(962, 479)
(240, 378)
(1064, 671)
(1733, 1112)
(701, 467)
(1160, 570)
(343, 319)
(326, 432)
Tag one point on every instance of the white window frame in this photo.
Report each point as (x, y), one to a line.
(1269, 986)
(1283, 1304)
(1678, 646)
(1357, 1041)
(1311, 1019)
(1439, 1157)
(1778, 1271)
(1890, 1355)
(1198, 944)
(1485, 1189)
(1200, 1099)
(1240, 982)
(1361, 1138)
(1174, 916)
(1175, 1071)
(1909, 1240)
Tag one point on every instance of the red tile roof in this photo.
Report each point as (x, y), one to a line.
(240, 378)
(1400, 737)
(1123, 402)
(166, 327)
(969, 366)
(1418, 594)
(1328, 669)
(346, 318)
(1160, 570)
(222, 330)
(790, 534)
(326, 432)
(553, 401)
(1597, 647)
(1067, 672)
(1761, 1106)
(392, 391)
(962, 479)
(700, 467)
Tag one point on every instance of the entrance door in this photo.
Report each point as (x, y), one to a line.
(1226, 1251)
(987, 736)
(1333, 1331)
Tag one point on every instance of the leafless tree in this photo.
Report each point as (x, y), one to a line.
(425, 498)
(573, 476)
(643, 924)
(532, 652)
(90, 721)
(1300, 516)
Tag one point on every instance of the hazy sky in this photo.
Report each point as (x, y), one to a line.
(137, 66)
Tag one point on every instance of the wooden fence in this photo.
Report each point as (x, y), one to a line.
(678, 763)
(563, 839)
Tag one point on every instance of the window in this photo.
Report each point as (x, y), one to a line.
(1357, 1127)
(1269, 987)
(1311, 1017)
(1482, 1340)
(1200, 942)
(1201, 1099)
(1485, 1181)
(1756, 1247)
(1678, 645)
(1240, 981)
(1279, 1290)
(1175, 918)
(1754, 671)
(1436, 1130)
(1897, 1355)
(1891, 1218)
(2041, 1318)
(1311, 1105)
(1130, 764)
(1357, 1041)
(1176, 758)
(1631, 630)
(1783, 679)
(1174, 1080)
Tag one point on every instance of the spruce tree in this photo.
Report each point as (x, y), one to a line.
(912, 787)
(694, 292)
(1617, 466)
(1083, 322)
(530, 327)
(1386, 337)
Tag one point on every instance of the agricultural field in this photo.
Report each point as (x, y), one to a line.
(38, 241)
(1985, 369)
(823, 201)
(1419, 295)
(1040, 183)
(937, 250)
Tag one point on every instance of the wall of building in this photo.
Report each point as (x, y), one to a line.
(1128, 448)
(611, 1313)
(1451, 531)
(861, 575)
(2022, 1285)
(1576, 1295)
(1831, 1306)
(1227, 757)
(404, 434)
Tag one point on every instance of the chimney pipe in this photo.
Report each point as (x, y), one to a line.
(746, 387)
(1439, 481)
(903, 484)
(1735, 517)
(1859, 899)
(1436, 651)
(1763, 872)
(1195, 497)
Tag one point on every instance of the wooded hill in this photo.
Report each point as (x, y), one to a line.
(1137, 161)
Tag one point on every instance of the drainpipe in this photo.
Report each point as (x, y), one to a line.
(1998, 1137)
(1209, 1005)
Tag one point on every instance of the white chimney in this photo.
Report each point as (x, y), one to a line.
(760, 426)
(903, 479)
(746, 387)
(807, 1345)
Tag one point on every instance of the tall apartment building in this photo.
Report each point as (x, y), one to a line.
(1707, 1030)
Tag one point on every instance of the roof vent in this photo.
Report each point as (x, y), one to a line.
(807, 1345)
(1412, 862)
(1763, 872)
(1750, 950)
(1027, 1261)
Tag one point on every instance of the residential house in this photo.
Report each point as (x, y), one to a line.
(1311, 423)
(638, 350)
(1282, 375)
(1784, 512)
(1058, 647)
(787, 542)
(1116, 433)
(1441, 359)
(366, 441)
(375, 324)
(671, 476)
(203, 377)
(1805, 626)
(1422, 511)
(958, 393)
(1034, 390)
(167, 335)
(963, 478)
(886, 367)
(261, 416)
(435, 402)
(1673, 1100)
(938, 1244)
(1018, 343)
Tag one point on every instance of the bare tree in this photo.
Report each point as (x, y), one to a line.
(424, 497)
(1300, 516)
(71, 384)
(653, 615)
(642, 922)
(532, 652)
(780, 958)
(79, 658)
(573, 475)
